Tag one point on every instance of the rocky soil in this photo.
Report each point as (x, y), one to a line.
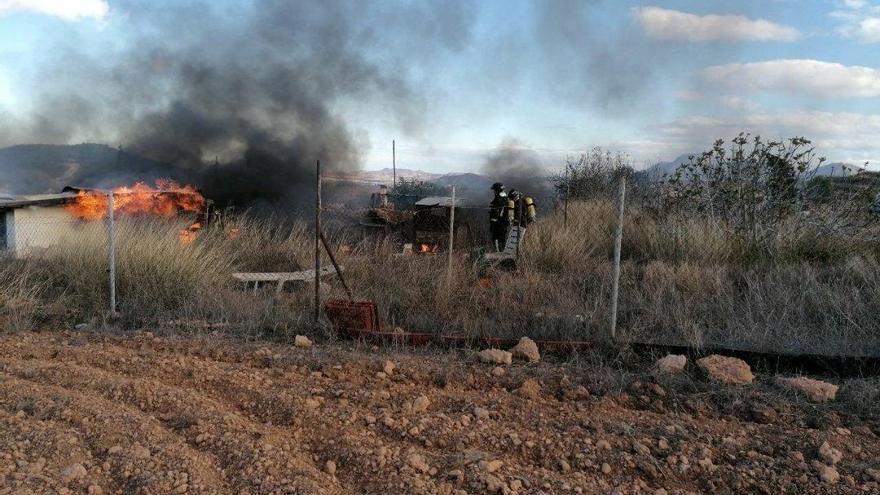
(88, 414)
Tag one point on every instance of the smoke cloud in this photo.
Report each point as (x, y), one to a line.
(518, 167)
(242, 100)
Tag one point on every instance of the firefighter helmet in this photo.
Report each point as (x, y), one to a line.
(497, 187)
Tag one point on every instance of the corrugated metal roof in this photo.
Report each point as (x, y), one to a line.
(36, 200)
(437, 201)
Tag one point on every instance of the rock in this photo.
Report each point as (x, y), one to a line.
(417, 462)
(140, 452)
(530, 389)
(603, 445)
(381, 375)
(95, 490)
(527, 349)
(312, 403)
(498, 371)
(727, 370)
(606, 468)
(873, 474)
(456, 474)
(302, 342)
(494, 484)
(491, 466)
(481, 413)
(388, 368)
(640, 448)
(829, 454)
(73, 472)
(828, 474)
(496, 356)
(564, 466)
(815, 390)
(671, 364)
(421, 404)
(116, 449)
(330, 468)
(81, 326)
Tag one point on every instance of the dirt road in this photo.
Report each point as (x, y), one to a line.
(87, 414)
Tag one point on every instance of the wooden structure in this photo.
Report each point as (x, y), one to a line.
(281, 277)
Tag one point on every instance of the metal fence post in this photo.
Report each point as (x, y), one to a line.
(618, 237)
(451, 237)
(111, 238)
(317, 241)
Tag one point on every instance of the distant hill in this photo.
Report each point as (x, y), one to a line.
(837, 169)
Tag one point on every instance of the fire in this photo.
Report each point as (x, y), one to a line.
(189, 234)
(165, 200)
(428, 248)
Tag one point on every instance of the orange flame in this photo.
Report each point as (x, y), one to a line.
(165, 200)
(189, 234)
(428, 248)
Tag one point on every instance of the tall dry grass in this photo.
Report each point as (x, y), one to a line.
(684, 281)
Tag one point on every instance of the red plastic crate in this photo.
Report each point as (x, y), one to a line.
(352, 317)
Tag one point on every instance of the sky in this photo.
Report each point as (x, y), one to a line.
(652, 79)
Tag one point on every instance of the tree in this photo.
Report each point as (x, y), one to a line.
(752, 185)
(593, 174)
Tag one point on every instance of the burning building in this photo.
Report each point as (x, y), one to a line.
(32, 223)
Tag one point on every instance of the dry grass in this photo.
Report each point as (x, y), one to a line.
(683, 281)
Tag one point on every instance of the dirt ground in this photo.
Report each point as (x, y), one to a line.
(82, 413)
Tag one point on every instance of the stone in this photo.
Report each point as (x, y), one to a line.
(491, 466)
(421, 404)
(526, 349)
(640, 448)
(498, 371)
(727, 370)
(829, 454)
(603, 445)
(481, 413)
(312, 403)
(828, 474)
(495, 356)
(330, 468)
(494, 484)
(529, 389)
(388, 367)
(73, 472)
(417, 462)
(815, 390)
(606, 468)
(670, 364)
(95, 490)
(302, 342)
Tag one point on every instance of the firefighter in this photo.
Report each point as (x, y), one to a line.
(499, 219)
(523, 208)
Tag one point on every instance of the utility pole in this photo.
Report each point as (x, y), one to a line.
(393, 165)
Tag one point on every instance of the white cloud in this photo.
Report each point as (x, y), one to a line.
(669, 24)
(841, 136)
(65, 9)
(860, 20)
(867, 30)
(798, 77)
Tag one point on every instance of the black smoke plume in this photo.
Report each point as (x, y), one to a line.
(240, 99)
(518, 167)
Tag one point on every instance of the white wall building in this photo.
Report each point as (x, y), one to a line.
(29, 224)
